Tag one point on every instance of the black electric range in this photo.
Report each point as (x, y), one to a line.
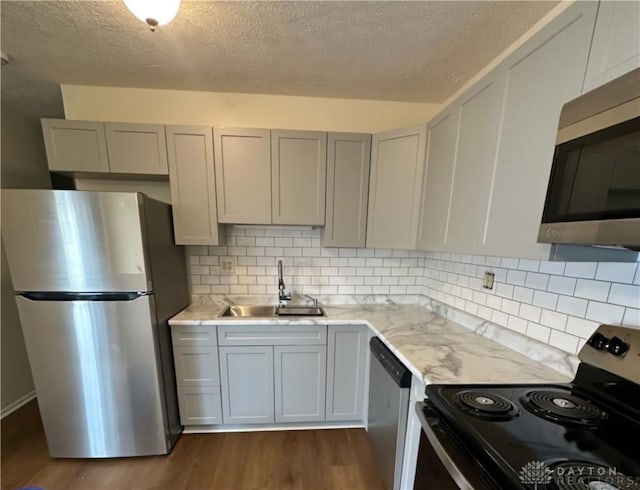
(583, 435)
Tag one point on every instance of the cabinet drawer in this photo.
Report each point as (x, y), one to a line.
(272, 335)
(196, 366)
(187, 335)
(200, 406)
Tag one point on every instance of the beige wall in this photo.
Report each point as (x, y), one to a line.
(243, 110)
(23, 164)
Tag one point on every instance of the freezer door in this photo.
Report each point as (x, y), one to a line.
(97, 376)
(74, 241)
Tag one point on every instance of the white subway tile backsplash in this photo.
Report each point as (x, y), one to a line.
(564, 341)
(538, 332)
(545, 300)
(517, 324)
(596, 290)
(631, 317)
(604, 312)
(555, 268)
(516, 277)
(530, 312)
(524, 295)
(511, 307)
(572, 306)
(555, 302)
(586, 270)
(529, 265)
(625, 294)
(536, 281)
(616, 271)
(553, 319)
(581, 327)
(562, 285)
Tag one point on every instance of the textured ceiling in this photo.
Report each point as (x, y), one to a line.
(406, 51)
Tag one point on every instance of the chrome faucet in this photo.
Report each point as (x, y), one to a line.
(282, 295)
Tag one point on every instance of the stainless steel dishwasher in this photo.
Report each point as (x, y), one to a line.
(389, 386)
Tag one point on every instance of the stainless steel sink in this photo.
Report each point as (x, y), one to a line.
(267, 311)
(251, 311)
(300, 311)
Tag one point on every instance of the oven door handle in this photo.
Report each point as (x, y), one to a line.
(431, 427)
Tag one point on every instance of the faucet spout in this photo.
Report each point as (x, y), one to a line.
(282, 296)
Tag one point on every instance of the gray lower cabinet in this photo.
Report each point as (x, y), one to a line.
(195, 356)
(300, 374)
(247, 384)
(196, 366)
(346, 369)
(199, 405)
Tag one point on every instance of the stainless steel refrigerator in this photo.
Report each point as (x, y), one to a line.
(97, 276)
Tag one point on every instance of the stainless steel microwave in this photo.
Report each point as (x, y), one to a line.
(593, 197)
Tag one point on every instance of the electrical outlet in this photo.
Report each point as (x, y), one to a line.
(227, 265)
(487, 283)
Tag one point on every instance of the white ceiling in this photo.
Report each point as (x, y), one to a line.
(406, 51)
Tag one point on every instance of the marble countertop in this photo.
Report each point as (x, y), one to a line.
(435, 349)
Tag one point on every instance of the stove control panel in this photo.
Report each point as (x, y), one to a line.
(614, 349)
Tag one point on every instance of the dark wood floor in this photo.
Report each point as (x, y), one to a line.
(312, 459)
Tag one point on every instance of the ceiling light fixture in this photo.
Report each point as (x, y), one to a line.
(154, 12)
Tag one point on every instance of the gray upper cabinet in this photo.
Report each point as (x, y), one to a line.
(475, 152)
(300, 378)
(243, 175)
(348, 162)
(615, 49)
(395, 190)
(442, 133)
(346, 371)
(193, 185)
(299, 171)
(137, 148)
(246, 375)
(541, 75)
(75, 146)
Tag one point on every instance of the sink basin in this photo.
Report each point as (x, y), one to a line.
(251, 311)
(267, 311)
(300, 311)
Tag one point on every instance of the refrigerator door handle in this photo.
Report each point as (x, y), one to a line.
(64, 296)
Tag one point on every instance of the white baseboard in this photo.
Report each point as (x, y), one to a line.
(12, 407)
(209, 429)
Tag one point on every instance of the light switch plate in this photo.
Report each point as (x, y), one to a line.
(487, 282)
(227, 265)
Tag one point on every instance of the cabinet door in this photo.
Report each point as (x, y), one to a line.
(348, 162)
(443, 133)
(199, 405)
(615, 49)
(246, 379)
(137, 148)
(193, 185)
(243, 175)
(300, 383)
(397, 166)
(346, 366)
(541, 76)
(478, 128)
(299, 174)
(75, 146)
(196, 366)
